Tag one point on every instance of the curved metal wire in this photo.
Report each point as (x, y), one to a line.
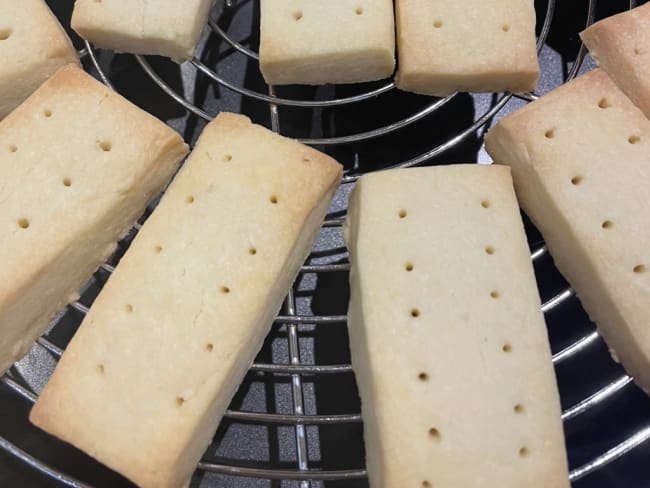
(363, 136)
(557, 300)
(304, 369)
(231, 42)
(539, 253)
(169, 91)
(342, 101)
(296, 103)
(428, 155)
(576, 347)
(611, 455)
(591, 14)
(422, 158)
(93, 59)
(292, 419)
(597, 398)
(40, 466)
(278, 474)
(275, 100)
(382, 131)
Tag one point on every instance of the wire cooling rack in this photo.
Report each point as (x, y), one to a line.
(275, 434)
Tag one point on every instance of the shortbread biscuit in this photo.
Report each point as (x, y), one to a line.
(169, 28)
(446, 46)
(448, 341)
(621, 45)
(312, 42)
(78, 164)
(146, 379)
(580, 159)
(33, 46)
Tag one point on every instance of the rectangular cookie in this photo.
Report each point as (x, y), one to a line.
(33, 46)
(621, 45)
(312, 42)
(169, 28)
(78, 164)
(153, 367)
(447, 338)
(580, 158)
(445, 46)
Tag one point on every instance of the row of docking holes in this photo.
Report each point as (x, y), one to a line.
(66, 181)
(489, 250)
(437, 24)
(298, 14)
(223, 289)
(208, 347)
(107, 146)
(434, 433)
(578, 180)
(602, 104)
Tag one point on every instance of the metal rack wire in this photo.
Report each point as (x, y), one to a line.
(296, 370)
